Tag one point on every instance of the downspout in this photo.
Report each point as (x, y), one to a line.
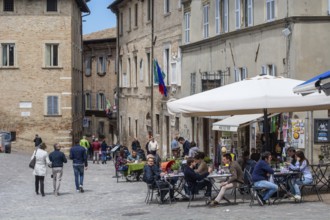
(117, 72)
(82, 68)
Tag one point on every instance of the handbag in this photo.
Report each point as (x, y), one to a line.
(33, 161)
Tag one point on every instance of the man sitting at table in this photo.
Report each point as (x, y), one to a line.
(196, 181)
(152, 174)
(260, 175)
(234, 181)
(133, 157)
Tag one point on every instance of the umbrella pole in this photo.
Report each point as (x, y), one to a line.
(266, 132)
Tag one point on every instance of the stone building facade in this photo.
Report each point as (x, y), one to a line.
(134, 28)
(225, 41)
(100, 83)
(41, 70)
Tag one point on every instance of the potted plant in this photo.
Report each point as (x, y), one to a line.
(321, 157)
(207, 160)
(176, 166)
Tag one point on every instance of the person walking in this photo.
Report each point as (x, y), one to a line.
(96, 150)
(37, 140)
(79, 157)
(57, 158)
(104, 147)
(40, 168)
(84, 143)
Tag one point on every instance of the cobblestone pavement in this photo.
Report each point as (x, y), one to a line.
(104, 198)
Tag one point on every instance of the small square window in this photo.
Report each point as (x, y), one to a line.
(8, 5)
(51, 5)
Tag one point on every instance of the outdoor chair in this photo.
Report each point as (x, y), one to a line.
(163, 189)
(254, 191)
(190, 193)
(150, 193)
(313, 186)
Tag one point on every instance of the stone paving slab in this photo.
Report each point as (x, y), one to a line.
(104, 198)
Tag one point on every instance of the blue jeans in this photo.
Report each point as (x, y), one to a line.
(295, 183)
(78, 175)
(104, 156)
(271, 188)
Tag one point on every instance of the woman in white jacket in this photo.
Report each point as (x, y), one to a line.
(39, 171)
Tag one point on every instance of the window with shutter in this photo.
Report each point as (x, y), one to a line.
(52, 105)
(8, 55)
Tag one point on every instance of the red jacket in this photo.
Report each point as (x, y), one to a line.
(96, 146)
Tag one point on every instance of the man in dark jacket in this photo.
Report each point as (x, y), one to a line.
(196, 181)
(79, 157)
(152, 176)
(37, 140)
(57, 158)
(260, 175)
(185, 146)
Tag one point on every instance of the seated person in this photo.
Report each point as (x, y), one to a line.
(201, 165)
(133, 157)
(260, 175)
(234, 181)
(193, 149)
(196, 181)
(152, 174)
(121, 161)
(302, 165)
(141, 153)
(291, 155)
(255, 155)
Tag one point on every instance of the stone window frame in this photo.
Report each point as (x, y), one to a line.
(59, 64)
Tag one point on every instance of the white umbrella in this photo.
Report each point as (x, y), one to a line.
(260, 94)
(250, 96)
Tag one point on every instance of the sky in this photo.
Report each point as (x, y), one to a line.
(100, 17)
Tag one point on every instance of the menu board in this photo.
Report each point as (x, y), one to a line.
(321, 130)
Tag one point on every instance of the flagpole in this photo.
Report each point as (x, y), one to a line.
(152, 68)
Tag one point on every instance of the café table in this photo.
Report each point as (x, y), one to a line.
(282, 179)
(321, 173)
(134, 169)
(178, 187)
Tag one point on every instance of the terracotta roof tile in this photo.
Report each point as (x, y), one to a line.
(103, 34)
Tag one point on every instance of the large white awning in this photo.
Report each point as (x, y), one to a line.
(232, 123)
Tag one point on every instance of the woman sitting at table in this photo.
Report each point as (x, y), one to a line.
(201, 165)
(301, 165)
(121, 162)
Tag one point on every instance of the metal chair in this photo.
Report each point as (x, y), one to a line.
(150, 193)
(254, 191)
(313, 186)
